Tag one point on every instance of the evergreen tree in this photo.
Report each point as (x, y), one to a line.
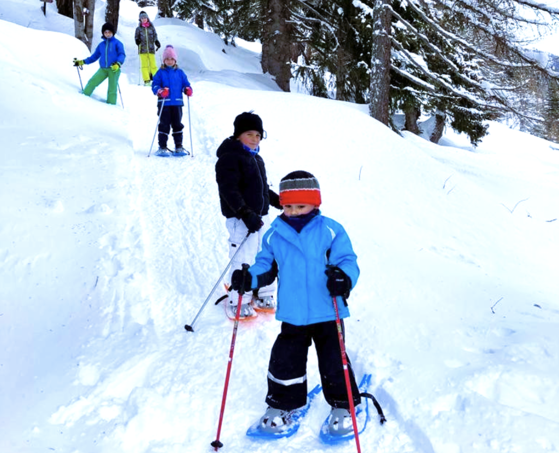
(381, 15)
(226, 18)
(277, 38)
(65, 7)
(550, 129)
(165, 8)
(449, 59)
(112, 13)
(84, 12)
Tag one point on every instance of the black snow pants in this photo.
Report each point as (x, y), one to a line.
(287, 371)
(171, 117)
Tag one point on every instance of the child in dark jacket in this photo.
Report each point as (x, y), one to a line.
(148, 44)
(245, 199)
(316, 262)
(110, 53)
(169, 84)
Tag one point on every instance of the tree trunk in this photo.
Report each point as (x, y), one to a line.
(440, 121)
(276, 42)
(341, 75)
(379, 107)
(164, 8)
(83, 20)
(65, 7)
(111, 13)
(412, 115)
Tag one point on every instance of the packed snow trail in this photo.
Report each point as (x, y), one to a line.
(106, 254)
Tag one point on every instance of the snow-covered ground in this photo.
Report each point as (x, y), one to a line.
(105, 254)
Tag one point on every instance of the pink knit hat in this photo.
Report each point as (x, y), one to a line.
(169, 52)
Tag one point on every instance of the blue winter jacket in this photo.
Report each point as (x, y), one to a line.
(173, 78)
(108, 52)
(303, 297)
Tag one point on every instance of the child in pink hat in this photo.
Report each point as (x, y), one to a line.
(169, 84)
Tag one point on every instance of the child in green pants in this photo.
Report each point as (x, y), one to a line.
(110, 53)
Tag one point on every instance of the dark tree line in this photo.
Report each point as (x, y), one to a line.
(459, 62)
(82, 11)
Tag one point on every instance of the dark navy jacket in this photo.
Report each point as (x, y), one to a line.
(241, 179)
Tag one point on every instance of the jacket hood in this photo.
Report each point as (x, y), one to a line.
(229, 145)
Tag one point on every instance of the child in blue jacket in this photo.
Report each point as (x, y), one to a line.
(110, 53)
(169, 84)
(315, 261)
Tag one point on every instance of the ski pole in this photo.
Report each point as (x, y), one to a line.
(189, 327)
(346, 374)
(190, 128)
(119, 92)
(80, 76)
(156, 126)
(216, 443)
(139, 66)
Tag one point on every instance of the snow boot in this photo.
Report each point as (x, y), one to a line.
(275, 421)
(247, 310)
(180, 151)
(162, 152)
(340, 423)
(265, 303)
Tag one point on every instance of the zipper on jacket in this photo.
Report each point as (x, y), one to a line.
(107, 53)
(262, 181)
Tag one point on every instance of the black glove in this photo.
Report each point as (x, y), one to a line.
(274, 199)
(138, 42)
(241, 281)
(251, 219)
(157, 46)
(339, 284)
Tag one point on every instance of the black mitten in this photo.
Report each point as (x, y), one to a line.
(241, 281)
(251, 219)
(339, 284)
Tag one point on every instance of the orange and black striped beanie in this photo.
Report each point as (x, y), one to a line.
(299, 187)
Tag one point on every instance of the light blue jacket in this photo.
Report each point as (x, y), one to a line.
(303, 297)
(108, 52)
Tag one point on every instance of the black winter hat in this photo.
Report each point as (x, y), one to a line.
(247, 121)
(108, 26)
(143, 14)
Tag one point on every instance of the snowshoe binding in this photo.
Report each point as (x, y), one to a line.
(180, 151)
(265, 303)
(247, 311)
(163, 152)
(276, 423)
(338, 426)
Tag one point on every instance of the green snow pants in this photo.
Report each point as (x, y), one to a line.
(98, 78)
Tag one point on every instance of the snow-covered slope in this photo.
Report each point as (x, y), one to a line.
(105, 254)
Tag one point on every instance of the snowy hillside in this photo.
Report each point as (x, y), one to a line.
(105, 254)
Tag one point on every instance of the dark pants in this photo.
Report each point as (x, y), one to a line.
(287, 372)
(170, 118)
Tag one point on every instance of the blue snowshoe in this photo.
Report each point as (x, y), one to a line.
(163, 152)
(338, 426)
(180, 151)
(275, 423)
